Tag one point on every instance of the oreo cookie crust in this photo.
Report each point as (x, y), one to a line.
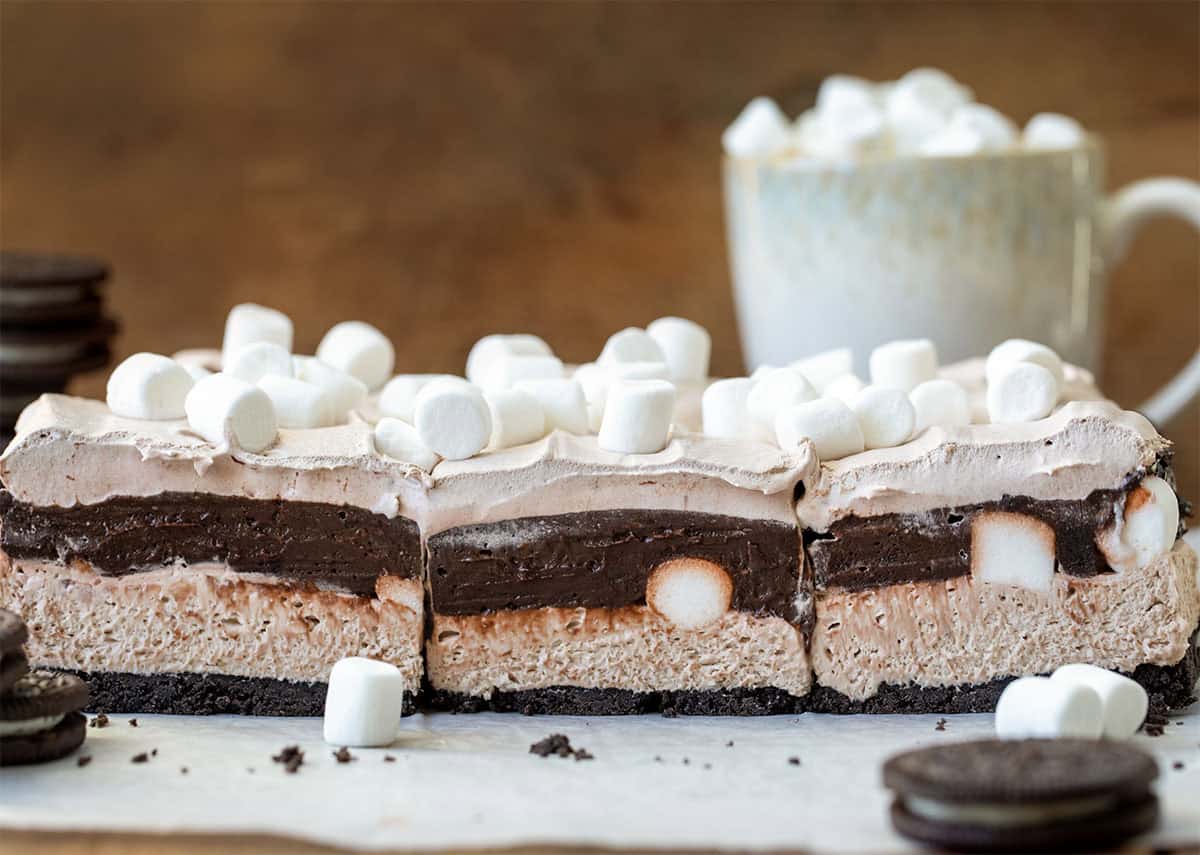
(46, 745)
(1029, 795)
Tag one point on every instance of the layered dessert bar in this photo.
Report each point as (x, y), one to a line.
(569, 579)
(181, 577)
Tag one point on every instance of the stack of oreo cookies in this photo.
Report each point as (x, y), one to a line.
(40, 718)
(52, 326)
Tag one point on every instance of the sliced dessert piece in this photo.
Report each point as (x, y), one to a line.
(568, 579)
(184, 578)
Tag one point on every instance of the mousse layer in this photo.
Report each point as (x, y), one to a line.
(602, 559)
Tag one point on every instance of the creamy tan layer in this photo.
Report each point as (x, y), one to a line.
(206, 619)
(628, 648)
(962, 631)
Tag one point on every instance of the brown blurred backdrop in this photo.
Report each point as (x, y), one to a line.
(444, 171)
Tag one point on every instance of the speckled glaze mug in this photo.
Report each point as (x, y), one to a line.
(969, 251)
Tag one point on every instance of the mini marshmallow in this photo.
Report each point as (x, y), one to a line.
(689, 593)
(492, 347)
(399, 395)
(886, 416)
(1123, 701)
(903, 364)
(255, 361)
(452, 418)
(759, 129)
(345, 393)
(227, 410)
(508, 369)
(630, 345)
(198, 371)
(637, 416)
(1021, 392)
(595, 381)
(149, 386)
(828, 423)
(363, 703)
(297, 404)
(517, 418)
(1052, 131)
(400, 440)
(994, 129)
(685, 345)
(1041, 708)
(360, 350)
(638, 371)
(1151, 521)
(772, 393)
(823, 368)
(563, 403)
(844, 388)
(1021, 350)
(943, 403)
(1012, 549)
(250, 323)
(723, 408)
(919, 106)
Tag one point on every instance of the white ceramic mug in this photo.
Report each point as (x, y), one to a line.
(968, 251)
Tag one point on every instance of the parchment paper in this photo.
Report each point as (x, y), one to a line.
(470, 781)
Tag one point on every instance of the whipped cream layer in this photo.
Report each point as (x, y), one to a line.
(73, 451)
(563, 473)
(1081, 447)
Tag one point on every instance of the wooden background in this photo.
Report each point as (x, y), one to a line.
(450, 170)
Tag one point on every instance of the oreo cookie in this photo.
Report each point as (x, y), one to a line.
(39, 289)
(40, 719)
(1044, 795)
(44, 358)
(44, 745)
(12, 632)
(13, 666)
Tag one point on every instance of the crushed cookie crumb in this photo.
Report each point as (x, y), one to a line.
(793, 761)
(555, 744)
(133, 722)
(140, 758)
(941, 724)
(100, 720)
(83, 760)
(291, 757)
(388, 758)
(707, 766)
(729, 744)
(343, 755)
(183, 770)
(1154, 725)
(153, 752)
(583, 754)
(1177, 765)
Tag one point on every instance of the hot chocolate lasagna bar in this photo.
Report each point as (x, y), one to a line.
(569, 579)
(183, 578)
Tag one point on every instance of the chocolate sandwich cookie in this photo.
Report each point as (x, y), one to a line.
(39, 289)
(12, 632)
(40, 719)
(13, 666)
(1017, 796)
(47, 356)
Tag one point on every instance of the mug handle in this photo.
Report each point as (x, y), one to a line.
(1125, 212)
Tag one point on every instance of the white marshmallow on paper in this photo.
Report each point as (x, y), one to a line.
(226, 410)
(400, 440)
(255, 361)
(637, 416)
(1012, 549)
(563, 403)
(250, 323)
(689, 593)
(723, 408)
(630, 345)
(685, 346)
(345, 393)
(760, 129)
(453, 418)
(149, 386)
(508, 369)
(824, 368)
(773, 392)
(363, 703)
(297, 404)
(844, 388)
(828, 423)
(1047, 131)
(492, 347)
(943, 403)
(360, 350)
(903, 364)
(1123, 701)
(1151, 520)
(1021, 350)
(885, 415)
(1021, 392)
(1041, 708)
(399, 395)
(517, 418)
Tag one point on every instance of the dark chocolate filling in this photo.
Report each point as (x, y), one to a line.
(871, 552)
(338, 545)
(602, 559)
